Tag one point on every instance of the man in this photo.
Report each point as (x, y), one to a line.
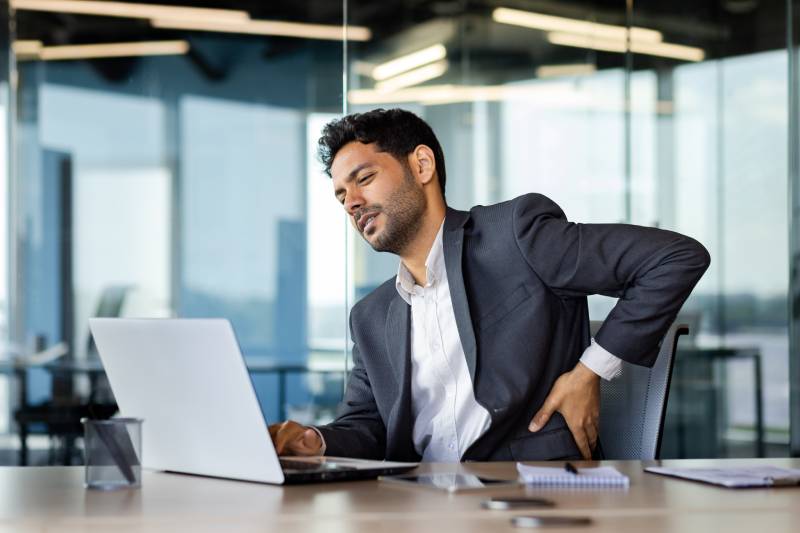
(479, 348)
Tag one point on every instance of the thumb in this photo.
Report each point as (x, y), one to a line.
(542, 416)
(310, 439)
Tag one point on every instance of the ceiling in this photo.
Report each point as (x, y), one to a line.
(501, 52)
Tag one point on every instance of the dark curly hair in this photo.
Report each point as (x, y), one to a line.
(395, 131)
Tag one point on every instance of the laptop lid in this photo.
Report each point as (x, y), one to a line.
(187, 379)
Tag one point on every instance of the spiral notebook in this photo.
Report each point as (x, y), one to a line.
(549, 476)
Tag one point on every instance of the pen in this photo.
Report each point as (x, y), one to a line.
(570, 468)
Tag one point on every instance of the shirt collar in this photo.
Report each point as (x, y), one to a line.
(434, 265)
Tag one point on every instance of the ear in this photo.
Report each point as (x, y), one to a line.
(422, 163)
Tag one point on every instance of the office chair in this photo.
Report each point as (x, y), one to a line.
(634, 404)
(61, 416)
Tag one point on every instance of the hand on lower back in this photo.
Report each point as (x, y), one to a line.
(576, 395)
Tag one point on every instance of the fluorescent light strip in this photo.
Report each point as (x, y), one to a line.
(673, 51)
(94, 51)
(195, 18)
(574, 69)
(542, 22)
(546, 95)
(129, 10)
(269, 27)
(413, 77)
(26, 48)
(409, 61)
(446, 94)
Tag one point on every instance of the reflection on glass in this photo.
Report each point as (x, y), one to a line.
(688, 132)
(167, 171)
(187, 183)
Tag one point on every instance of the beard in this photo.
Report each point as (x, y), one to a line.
(404, 210)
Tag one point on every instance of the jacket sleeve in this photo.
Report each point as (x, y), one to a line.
(358, 430)
(651, 271)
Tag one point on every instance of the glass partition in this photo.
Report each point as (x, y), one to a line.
(650, 114)
(793, 17)
(6, 216)
(163, 164)
(166, 169)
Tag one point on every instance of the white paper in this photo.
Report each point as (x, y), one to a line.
(745, 476)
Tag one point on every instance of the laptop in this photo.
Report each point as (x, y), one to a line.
(188, 380)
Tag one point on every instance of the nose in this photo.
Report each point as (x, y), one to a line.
(353, 202)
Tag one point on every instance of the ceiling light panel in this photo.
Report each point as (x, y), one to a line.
(673, 51)
(543, 22)
(413, 77)
(409, 61)
(268, 27)
(129, 10)
(108, 50)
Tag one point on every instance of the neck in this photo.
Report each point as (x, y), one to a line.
(416, 253)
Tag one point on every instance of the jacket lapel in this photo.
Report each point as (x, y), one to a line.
(453, 243)
(398, 332)
(398, 336)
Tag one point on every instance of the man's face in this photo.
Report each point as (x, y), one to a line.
(380, 194)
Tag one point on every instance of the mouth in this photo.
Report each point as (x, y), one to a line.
(367, 221)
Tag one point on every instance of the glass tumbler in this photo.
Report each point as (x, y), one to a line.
(112, 453)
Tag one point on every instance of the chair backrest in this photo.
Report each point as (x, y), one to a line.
(633, 405)
(109, 305)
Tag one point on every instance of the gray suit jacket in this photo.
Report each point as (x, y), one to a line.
(519, 274)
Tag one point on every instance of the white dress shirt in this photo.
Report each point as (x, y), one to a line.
(447, 418)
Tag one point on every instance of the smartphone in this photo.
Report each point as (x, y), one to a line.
(504, 504)
(450, 482)
(550, 521)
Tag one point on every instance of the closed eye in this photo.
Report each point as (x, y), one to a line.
(366, 178)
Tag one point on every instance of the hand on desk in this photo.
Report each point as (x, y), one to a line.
(576, 395)
(291, 438)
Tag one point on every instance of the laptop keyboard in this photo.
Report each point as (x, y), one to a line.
(301, 471)
(289, 464)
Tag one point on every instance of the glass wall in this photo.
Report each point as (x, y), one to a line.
(180, 178)
(682, 126)
(5, 215)
(793, 17)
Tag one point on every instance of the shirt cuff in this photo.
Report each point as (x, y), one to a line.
(324, 445)
(601, 362)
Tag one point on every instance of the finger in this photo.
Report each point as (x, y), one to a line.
(300, 440)
(592, 434)
(287, 439)
(581, 440)
(583, 446)
(273, 430)
(304, 445)
(309, 443)
(276, 433)
(543, 415)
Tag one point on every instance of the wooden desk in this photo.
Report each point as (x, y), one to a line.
(53, 499)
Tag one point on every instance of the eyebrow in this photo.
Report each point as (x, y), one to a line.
(350, 177)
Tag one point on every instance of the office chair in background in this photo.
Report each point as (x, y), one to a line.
(634, 404)
(60, 417)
